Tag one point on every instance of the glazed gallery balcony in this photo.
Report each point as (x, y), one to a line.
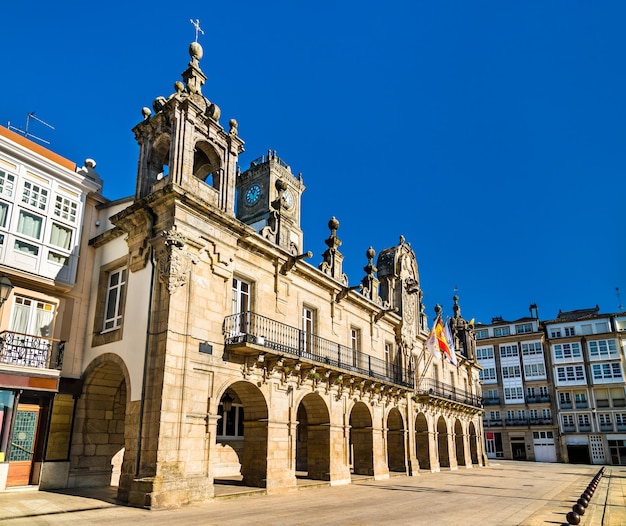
(251, 334)
(27, 350)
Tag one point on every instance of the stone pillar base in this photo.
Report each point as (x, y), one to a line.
(154, 493)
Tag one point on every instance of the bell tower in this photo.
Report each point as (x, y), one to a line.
(184, 144)
(268, 199)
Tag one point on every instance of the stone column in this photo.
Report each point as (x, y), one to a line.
(339, 467)
(379, 453)
(281, 471)
(452, 451)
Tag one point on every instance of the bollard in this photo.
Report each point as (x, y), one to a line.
(578, 509)
(583, 502)
(573, 517)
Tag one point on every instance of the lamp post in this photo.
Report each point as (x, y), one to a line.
(5, 289)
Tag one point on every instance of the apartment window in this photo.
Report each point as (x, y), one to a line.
(355, 344)
(603, 349)
(61, 236)
(566, 351)
(65, 209)
(525, 328)
(537, 370)
(509, 350)
(114, 302)
(513, 393)
(230, 426)
(501, 331)
(532, 348)
(484, 353)
(494, 415)
(602, 327)
(29, 224)
(606, 371)
(543, 391)
(569, 331)
(533, 413)
(240, 296)
(481, 334)
(568, 420)
(521, 414)
(580, 398)
(7, 184)
(586, 329)
(546, 413)
(555, 333)
(487, 375)
(32, 316)
(565, 398)
(512, 371)
(4, 213)
(605, 419)
(530, 392)
(620, 419)
(35, 196)
(570, 373)
(583, 420)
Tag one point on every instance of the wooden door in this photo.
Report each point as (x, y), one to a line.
(22, 445)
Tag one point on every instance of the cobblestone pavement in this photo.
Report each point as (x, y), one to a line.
(505, 493)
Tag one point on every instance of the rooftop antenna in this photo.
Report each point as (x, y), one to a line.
(619, 300)
(25, 131)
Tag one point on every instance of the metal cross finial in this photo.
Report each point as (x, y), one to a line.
(196, 24)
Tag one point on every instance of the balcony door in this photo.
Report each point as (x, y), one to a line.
(32, 317)
(22, 445)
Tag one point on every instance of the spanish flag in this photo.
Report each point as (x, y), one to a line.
(444, 345)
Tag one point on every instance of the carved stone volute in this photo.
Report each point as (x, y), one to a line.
(173, 259)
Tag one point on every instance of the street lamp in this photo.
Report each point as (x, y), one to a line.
(227, 402)
(5, 289)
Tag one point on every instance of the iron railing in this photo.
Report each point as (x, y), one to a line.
(31, 351)
(249, 327)
(434, 388)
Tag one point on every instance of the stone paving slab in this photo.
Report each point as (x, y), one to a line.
(506, 493)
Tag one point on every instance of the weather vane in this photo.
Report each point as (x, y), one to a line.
(196, 24)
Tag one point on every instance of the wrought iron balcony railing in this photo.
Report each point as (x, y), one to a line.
(249, 327)
(491, 401)
(428, 386)
(28, 350)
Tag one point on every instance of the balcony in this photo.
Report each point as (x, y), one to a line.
(569, 429)
(440, 394)
(619, 402)
(621, 427)
(492, 423)
(582, 404)
(602, 403)
(249, 333)
(516, 422)
(606, 428)
(566, 405)
(584, 428)
(491, 401)
(538, 400)
(27, 350)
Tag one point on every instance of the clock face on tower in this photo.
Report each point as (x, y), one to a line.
(252, 194)
(288, 197)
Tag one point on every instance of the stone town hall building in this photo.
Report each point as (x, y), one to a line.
(214, 349)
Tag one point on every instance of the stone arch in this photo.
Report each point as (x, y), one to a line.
(313, 437)
(159, 160)
(101, 425)
(422, 441)
(396, 456)
(207, 164)
(442, 443)
(459, 443)
(361, 440)
(473, 441)
(241, 436)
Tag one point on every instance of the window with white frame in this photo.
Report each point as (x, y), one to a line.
(61, 236)
(7, 183)
(230, 425)
(511, 371)
(532, 348)
(569, 331)
(492, 394)
(481, 334)
(513, 393)
(484, 353)
(535, 370)
(114, 303)
(568, 420)
(388, 358)
(543, 391)
(35, 196)
(586, 329)
(583, 420)
(570, 373)
(65, 209)
(565, 351)
(602, 327)
(488, 374)
(240, 296)
(606, 371)
(355, 345)
(521, 414)
(603, 349)
(605, 419)
(533, 413)
(555, 333)
(4, 214)
(565, 398)
(29, 224)
(620, 419)
(524, 328)
(501, 331)
(507, 351)
(308, 328)
(494, 415)
(31, 316)
(546, 413)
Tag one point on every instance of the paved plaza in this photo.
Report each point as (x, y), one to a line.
(505, 493)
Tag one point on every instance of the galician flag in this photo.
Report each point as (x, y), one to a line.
(431, 343)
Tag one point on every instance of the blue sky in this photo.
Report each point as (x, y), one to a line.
(491, 134)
